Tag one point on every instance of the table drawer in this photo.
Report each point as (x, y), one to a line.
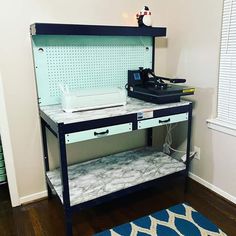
(98, 133)
(144, 124)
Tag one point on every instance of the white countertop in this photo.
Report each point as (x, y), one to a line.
(133, 105)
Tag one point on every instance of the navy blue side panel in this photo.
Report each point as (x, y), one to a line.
(63, 169)
(65, 182)
(45, 147)
(45, 153)
(188, 145)
(73, 29)
(149, 137)
(51, 125)
(171, 111)
(93, 124)
(153, 54)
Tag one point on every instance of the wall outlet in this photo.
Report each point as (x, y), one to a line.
(197, 151)
(183, 158)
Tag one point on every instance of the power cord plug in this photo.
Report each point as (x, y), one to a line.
(191, 156)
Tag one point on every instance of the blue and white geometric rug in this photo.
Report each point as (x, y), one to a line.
(177, 220)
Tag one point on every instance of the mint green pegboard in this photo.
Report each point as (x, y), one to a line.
(86, 62)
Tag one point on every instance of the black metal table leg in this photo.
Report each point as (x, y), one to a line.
(149, 137)
(188, 146)
(45, 153)
(65, 182)
(68, 222)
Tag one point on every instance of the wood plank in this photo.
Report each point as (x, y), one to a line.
(46, 217)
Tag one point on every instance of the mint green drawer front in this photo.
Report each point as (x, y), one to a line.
(2, 170)
(3, 178)
(98, 133)
(1, 156)
(1, 163)
(144, 124)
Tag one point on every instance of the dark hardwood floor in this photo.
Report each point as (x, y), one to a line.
(45, 217)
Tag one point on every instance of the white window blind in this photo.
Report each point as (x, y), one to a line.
(227, 72)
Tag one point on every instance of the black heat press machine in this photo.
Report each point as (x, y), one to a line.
(145, 85)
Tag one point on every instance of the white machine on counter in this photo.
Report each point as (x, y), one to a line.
(92, 98)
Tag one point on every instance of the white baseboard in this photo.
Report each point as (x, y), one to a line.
(33, 197)
(213, 187)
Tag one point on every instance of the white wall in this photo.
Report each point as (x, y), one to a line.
(193, 53)
(16, 65)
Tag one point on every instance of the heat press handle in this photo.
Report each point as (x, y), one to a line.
(173, 81)
(177, 81)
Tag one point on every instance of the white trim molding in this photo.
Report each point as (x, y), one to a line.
(33, 197)
(213, 188)
(222, 126)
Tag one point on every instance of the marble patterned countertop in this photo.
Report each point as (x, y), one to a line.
(133, 105)
(99, 177)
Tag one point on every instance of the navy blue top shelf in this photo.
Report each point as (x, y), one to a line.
(72, 29)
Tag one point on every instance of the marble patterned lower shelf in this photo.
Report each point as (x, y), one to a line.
(99, 177)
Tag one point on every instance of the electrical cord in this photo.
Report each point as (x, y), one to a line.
(168, 140)
(175, 150)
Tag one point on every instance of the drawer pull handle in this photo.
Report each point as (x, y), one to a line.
(164, 121)
(101, 133)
